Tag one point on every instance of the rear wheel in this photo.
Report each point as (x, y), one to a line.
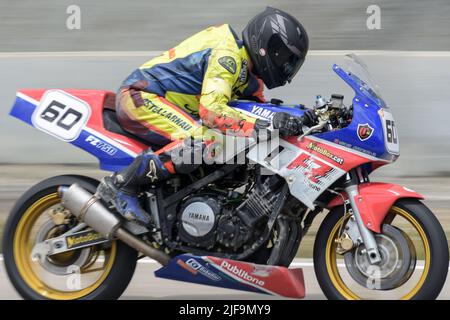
(98, 272)
(414, 255)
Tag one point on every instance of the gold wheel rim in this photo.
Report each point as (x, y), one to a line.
(332, 267)
(22, 247)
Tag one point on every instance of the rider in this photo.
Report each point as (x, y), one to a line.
(163, 99)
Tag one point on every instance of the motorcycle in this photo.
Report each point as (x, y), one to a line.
(231, 225)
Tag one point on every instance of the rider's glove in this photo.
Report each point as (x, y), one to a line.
(288, 125)
(310, 118)
(187, 156)
(261, 124)
(262, 130)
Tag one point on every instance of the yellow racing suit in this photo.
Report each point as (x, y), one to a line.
(175, 95)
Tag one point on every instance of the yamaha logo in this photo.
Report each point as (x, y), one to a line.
(198, 219)
(199, 216)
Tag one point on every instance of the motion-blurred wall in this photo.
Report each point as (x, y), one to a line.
(30, 25)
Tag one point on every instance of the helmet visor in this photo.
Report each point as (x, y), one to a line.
(287, 62)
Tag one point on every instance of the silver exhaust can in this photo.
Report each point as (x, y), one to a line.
(89, 209)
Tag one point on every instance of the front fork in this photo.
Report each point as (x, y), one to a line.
(353, 179)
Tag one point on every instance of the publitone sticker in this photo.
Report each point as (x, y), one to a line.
(61, 115)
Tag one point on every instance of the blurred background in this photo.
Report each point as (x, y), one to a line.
(409, 57)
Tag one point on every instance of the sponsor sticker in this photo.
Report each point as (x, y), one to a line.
(195, 267)
(364, 131)
(262, 112)
(241, 273)
(83, 239)
(317, 174)
(169, 115)
(356, 148)
(101, 145)
(228, 63)
(325, 152)
(244, 71)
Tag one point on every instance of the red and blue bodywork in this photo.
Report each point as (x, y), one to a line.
(238, 275)
(369, 141)
(124, 149)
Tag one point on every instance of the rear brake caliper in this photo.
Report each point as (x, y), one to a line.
(59, 215)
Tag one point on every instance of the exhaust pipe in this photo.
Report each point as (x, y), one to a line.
(87, 208)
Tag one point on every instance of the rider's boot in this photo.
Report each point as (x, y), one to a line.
(122, 188)
(149, 168)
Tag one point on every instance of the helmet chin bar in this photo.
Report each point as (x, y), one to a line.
(273, 78)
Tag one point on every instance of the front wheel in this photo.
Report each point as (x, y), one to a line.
(102, 271)
(413, 249)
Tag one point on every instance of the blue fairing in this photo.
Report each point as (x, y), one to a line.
(366, 107)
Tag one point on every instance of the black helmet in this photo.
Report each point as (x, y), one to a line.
(277, 44)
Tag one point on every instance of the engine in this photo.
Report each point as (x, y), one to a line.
(198, 220)
(212, 220)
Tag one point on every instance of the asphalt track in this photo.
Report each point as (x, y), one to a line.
(145, 285)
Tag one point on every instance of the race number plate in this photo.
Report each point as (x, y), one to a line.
(390, 132)
(61, 115)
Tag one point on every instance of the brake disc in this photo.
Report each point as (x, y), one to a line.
(63, 263)
(398, 260)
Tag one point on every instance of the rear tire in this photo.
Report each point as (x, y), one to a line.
(438, 247)
(118, 275)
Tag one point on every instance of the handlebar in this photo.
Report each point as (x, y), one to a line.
(323, 120)
(331, 112)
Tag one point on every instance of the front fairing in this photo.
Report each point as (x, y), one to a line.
(366, 116)
(370, 114)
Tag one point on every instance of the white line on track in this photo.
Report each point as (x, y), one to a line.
(126, 54)
(296, 263)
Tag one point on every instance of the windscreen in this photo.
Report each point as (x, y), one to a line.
(358, 76)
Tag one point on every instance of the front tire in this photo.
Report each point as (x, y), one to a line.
(434, 253)
(119, 260)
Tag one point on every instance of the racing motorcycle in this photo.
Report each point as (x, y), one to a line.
(234, 225)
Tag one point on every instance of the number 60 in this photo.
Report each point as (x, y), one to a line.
(68, 119)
